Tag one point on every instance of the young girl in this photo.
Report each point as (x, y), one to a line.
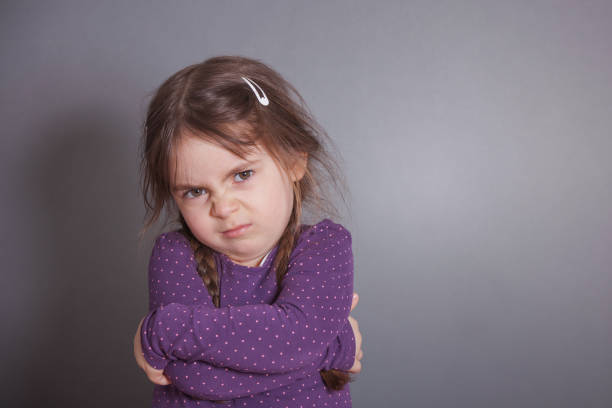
(247, 306)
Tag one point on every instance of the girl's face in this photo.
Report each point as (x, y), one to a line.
(239, 207)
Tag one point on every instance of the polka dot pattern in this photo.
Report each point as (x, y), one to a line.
(259, 348)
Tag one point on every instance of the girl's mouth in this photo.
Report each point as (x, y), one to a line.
(237, 231)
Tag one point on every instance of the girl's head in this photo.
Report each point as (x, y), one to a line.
(213, 151)
(239, 206)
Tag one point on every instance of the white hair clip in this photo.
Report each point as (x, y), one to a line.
(263, 99)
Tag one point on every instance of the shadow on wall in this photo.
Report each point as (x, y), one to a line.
(84, 190)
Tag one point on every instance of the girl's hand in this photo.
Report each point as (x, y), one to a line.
(155, 376)
(356, 368)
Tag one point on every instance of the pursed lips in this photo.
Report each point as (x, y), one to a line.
(236, 230)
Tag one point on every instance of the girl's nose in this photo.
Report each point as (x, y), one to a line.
(223, 206)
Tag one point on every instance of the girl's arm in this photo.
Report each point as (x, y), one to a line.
(204, 381)
(293, 333)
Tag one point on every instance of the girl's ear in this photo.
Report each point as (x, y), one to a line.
(299, 167)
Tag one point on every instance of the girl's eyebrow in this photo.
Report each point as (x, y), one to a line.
(237, 169)
(181, 187)
(242, 166)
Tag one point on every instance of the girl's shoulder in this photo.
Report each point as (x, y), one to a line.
(324, 227)
(172, 238)
(171, 241)
(323, 237)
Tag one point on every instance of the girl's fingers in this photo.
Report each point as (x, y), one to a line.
(159, 381)
(156, 376)
(162, 380)
(356, 368)
(355, 300)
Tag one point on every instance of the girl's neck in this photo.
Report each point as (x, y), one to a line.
(252, 264)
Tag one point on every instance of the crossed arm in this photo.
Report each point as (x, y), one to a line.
(241, 350)
(220, 383)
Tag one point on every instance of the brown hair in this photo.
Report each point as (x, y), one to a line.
(212, 101)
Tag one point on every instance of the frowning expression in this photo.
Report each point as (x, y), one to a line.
(236, 206)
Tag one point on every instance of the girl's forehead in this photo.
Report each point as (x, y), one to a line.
(195, 157)
(199, 147)
(238, 138)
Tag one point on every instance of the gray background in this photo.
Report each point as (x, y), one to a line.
(475, 138)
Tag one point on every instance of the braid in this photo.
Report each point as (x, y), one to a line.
(205, 263)
(287, 240)
(335, 379)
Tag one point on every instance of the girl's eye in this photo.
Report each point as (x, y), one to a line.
(195, 192)
(243, 175)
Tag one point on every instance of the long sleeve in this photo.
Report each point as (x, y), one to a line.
(293, 332)
(204, 381)
(198, 379)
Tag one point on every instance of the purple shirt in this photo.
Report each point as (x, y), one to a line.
(263, 347)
